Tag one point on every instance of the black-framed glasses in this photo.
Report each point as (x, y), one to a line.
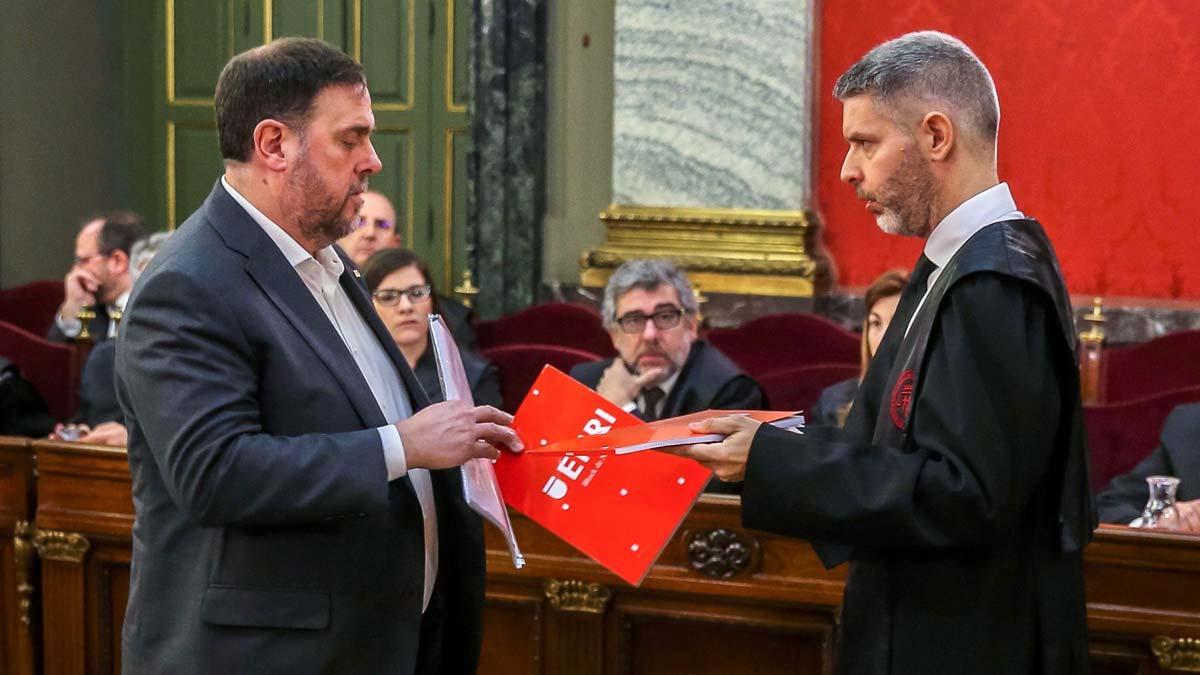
(362, 221)
(390, 296)
(664, 319)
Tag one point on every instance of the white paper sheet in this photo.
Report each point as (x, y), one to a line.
(480, 487)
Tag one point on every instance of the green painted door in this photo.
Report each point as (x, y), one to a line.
(415, 54)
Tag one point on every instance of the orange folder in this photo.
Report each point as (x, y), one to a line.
(620, 510)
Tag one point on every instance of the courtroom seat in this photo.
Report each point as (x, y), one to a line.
(550, 323)
(32, 306)
(799, 388)
(1121, 434)
(780, 341)
(51, 367)
(519, 366)
(1165, 363)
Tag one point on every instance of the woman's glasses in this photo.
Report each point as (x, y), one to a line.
(390, 296)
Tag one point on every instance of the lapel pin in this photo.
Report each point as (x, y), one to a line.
(357, 275)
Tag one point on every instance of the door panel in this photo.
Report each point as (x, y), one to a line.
(416, 55)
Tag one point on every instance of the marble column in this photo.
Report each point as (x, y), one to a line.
(713, 103)
(712, 145)
(506, 169)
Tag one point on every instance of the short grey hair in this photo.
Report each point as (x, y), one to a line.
(143, 250)
(931, 67)
(647, 275)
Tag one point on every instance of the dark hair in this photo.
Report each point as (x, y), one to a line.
(277, 81)
(927, 66)
(118, 231)
(889, 283)
(384, 262)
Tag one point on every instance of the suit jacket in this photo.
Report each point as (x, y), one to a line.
(954, 539)
(267, 536)
(708, 380)
(1178, 454)
(97, 387)
(824, 412)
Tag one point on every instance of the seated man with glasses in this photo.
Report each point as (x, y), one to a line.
(100, 277)
(662, 369)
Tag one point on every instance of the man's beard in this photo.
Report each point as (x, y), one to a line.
(319, 216)
(906, 199)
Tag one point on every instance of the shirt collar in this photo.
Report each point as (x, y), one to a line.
(992, 205)
(326, 258)
(668, 384)
(119, 303)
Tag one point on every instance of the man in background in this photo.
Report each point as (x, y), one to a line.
(299, 506)
(1178, 455)
(100, 277)
(373, 229)
(662, 370)
(958, 490)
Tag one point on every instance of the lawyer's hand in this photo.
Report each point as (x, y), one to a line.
(727, 459)
(446, 434)
(621, 387)
(108, 433)
(1189, 516)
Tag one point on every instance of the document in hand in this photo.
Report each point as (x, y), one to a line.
(665, 433)
(481, 490)
(619, 510)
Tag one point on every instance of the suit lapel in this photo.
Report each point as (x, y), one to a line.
(282, 285)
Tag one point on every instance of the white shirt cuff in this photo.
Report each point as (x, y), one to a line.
(629, 407)
(393, 452)
(68, 327)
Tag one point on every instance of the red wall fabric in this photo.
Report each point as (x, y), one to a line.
(1100, 116)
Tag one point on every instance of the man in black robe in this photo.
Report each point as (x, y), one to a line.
(958, 490)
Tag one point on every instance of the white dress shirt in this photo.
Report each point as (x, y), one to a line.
(321, 274)
(639, 401)
(990, 206)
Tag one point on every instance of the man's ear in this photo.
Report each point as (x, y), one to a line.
(938, 134)
(269, 137)
(118, 260)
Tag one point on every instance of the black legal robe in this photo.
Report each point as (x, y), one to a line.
(964, 538)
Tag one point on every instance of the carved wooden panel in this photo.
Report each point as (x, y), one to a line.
(513, 619)
(84, 517)
(565, 614)
(18, 564)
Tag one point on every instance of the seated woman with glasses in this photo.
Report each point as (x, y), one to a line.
(403, 293)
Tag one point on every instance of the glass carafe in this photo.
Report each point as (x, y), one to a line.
(1160, 509)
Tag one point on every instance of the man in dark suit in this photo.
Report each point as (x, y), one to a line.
(958, 490)
(662, 370)
(299, 506)
(100, 277)
(1178, 455)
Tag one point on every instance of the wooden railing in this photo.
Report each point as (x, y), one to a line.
(721, 599)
